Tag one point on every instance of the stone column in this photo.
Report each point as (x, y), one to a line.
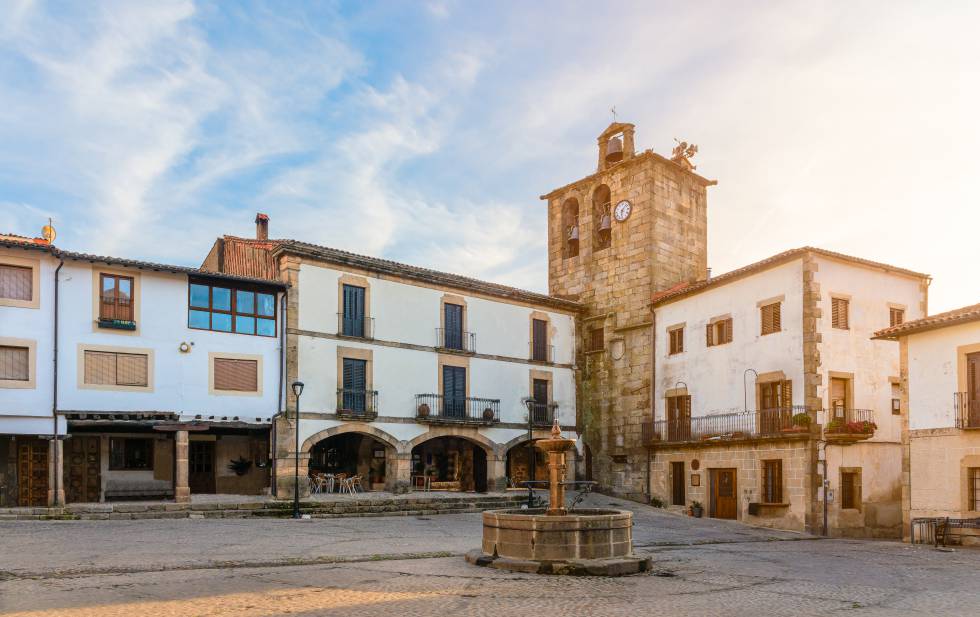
(400, 475)
(182, 490)
(497, 473)
(285, 461)
(56, 469)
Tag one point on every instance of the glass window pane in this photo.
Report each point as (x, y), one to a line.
(245, 325)
(221, 322)
(108, 283)
(266, 305)
(266, 327)
(220, 299)
(199, 295)
(244, 302)
(198, 319)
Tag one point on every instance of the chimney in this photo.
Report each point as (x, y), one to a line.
(261, 226)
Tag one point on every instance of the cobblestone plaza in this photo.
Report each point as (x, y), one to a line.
(413, 566)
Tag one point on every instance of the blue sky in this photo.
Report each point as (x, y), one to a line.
(425, 131)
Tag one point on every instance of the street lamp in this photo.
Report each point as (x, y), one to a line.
(297, 390)
(531, 462)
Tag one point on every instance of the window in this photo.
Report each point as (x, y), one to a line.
(16, 283)
(850, 490)
(224, 309)
(839, 396)
(539, 392)
(719, 332)
(236, 375)
(453, 324)
(15, 363)
(597, 339)
(772, 481)
(678, 484)
(771, 318)
(355, 385)
(896, 399)
(896, 316)
(111, 368)
(539, 340)
(353, 311)
(973, 487)
(116, 297)
(676, 340)
(130, 454)
(838, 313)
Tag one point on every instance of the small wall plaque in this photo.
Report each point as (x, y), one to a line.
(695, 479)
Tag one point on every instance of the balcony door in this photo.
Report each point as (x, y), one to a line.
(453, 318)
(775, 406)
(355, 385)
(973, 389)
(678, 418)
(353, 317)
(539, 342)
(540, 396)
(677, 481)
(839, 395)
(454, 391)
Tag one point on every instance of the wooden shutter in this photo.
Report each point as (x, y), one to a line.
(236, 375)
(677, 340)
(771, 318)
(838, 310)
(540, 392)
(131, 369)
(539, 344)
(353, 310)
(709, 334)
(100, 368)
(787, 394)
(454, 391)
(896, 316)
(453, 322)
(355, 384)
(15, 363)
(16, 283)
(773, 489)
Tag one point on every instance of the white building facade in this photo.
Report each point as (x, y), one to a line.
(767, 382)
(168, 379)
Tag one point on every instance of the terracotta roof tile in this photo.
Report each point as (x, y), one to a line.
(687, 289)
(248, 257)
(932, 322)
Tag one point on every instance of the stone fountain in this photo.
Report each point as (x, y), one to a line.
(556, 540)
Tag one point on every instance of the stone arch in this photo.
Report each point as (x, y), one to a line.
(491, 447)
(351, 427)
(522, 438)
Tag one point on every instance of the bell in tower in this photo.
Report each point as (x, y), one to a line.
(615, 144)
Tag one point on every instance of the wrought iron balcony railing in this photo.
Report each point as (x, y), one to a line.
(357, 327)
(967, 410)
(357, 404)
(540, 353)
(543, 414)
(455, 339)
(844, 424)
(785, 421)
(439, 409)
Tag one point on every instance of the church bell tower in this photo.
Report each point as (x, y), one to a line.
(636, 226)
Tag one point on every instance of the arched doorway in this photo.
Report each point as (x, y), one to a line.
(354, 454)
(518, 469)
(450, 464)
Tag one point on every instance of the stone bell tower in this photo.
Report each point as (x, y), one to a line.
(636, 226)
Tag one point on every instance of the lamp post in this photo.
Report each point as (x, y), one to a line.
(297, 390)
(531, 462)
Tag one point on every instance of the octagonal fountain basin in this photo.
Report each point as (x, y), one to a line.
(595, 542)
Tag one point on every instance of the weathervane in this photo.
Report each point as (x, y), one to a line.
(683, 152)
(613, 110)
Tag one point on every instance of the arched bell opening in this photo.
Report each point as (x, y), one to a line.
(570, 226)
(602, 217)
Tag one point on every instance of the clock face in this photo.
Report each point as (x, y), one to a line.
(623, 210)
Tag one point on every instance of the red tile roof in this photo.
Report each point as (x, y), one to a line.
(932, 322)
(246, 257)
(689, 288)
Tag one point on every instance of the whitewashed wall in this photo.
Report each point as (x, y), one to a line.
(933, 374)
(409, 314)
(180, 379)
(28, 411)
(853, 351)
(714, 375)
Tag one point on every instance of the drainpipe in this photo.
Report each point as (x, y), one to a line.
(54, 397)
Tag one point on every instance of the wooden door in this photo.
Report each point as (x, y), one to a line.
(83, 469)
(838, 397)
(678, 418)
(677, 479)
(32, 472)
(540, 396)
(454, 392)
(724, 494)
(200, 467)
(973, 389)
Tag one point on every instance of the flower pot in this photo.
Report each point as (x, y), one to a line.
(487, 415)
(424, 410)
(698, 511)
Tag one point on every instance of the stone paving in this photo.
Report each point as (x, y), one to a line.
(702, 567)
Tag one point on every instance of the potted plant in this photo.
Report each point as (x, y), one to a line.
(697, 509)
(800, 424)
(424, 410)
(487, 415)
